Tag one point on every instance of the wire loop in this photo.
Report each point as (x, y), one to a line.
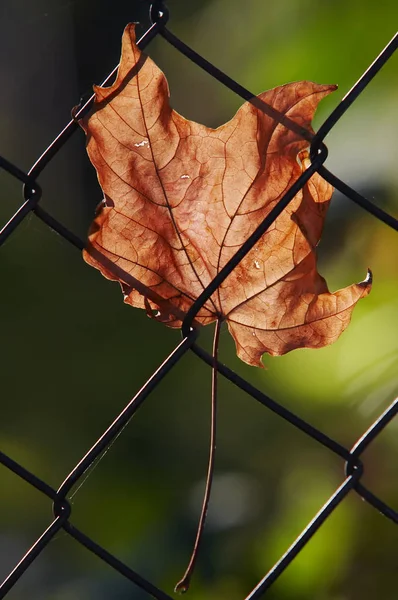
(158, 13)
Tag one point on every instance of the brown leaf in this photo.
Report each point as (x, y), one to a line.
(181, 198)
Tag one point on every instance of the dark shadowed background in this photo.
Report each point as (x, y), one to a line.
(72, 354)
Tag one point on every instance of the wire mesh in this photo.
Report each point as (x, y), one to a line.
(62, 509)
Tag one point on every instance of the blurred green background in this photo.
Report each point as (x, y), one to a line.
(73, 354)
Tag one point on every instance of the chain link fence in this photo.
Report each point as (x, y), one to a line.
(351, 458)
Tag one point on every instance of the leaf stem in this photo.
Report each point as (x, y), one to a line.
(183, 585)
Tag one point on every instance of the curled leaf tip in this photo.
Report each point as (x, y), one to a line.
(369, 278)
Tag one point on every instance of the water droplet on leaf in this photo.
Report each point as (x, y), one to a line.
(141, 144)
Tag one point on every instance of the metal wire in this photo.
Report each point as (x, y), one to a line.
(353, 466)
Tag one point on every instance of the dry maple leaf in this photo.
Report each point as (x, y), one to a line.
(180, 199)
